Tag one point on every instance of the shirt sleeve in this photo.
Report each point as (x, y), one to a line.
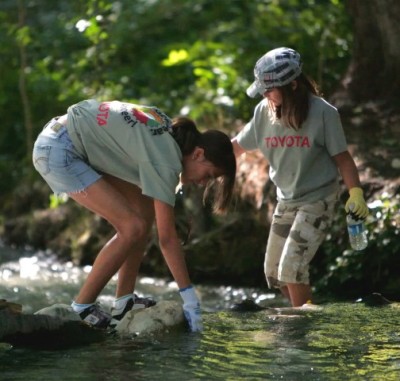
(248, 138)
(158, 182)
(335, 139)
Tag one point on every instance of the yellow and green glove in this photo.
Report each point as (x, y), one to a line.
(356, 203)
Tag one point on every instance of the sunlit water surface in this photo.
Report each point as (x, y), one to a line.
(340, 341)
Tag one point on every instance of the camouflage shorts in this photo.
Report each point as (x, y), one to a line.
(295, 235)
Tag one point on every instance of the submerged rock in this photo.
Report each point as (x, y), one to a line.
(44, 331)
(247, 305)
(11, 307)
(374, 300)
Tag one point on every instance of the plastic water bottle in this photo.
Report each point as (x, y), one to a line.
(357, 232)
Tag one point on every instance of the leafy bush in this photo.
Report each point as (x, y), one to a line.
(351, 273)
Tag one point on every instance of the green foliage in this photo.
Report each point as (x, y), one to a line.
(57, 200)
(375, 269)
(185, 57)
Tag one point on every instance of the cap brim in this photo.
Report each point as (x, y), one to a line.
(254, 90)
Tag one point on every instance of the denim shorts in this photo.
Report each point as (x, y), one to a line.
(295, 236)
(58, 162)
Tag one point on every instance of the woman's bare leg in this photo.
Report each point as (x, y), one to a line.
(105, 200)
(144, 206)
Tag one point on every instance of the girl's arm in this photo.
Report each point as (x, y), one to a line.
(170, 244)
(174, 256)
(349, 173)
(237, 149)
(347, 169)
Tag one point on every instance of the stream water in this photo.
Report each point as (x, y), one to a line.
(339, 341)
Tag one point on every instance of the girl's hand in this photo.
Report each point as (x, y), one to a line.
(356, 203)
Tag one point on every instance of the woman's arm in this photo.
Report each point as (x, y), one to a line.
(170, 244)
(173, 255)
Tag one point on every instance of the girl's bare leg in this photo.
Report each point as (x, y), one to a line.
(145, 207)
(105, 200)
(299, 293)
(285, 292)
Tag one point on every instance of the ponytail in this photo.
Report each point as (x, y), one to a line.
(186, 134)
(218, 150)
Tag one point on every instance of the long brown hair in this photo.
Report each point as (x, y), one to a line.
(218, 149)
(296, 101)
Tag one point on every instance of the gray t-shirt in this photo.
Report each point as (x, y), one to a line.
(130, 142)
(301, 164)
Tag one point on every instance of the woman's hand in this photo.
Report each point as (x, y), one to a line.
(191, 308)
(173, 255)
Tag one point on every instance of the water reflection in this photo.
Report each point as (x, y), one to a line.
(343, 341)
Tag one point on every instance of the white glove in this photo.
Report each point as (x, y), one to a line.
(191, 308)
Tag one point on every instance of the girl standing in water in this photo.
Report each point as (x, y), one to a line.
(301, 136)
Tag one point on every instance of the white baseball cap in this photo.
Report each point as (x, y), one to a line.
(276, 68)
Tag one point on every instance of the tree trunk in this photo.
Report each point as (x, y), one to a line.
(374, 71)
(22, 80)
